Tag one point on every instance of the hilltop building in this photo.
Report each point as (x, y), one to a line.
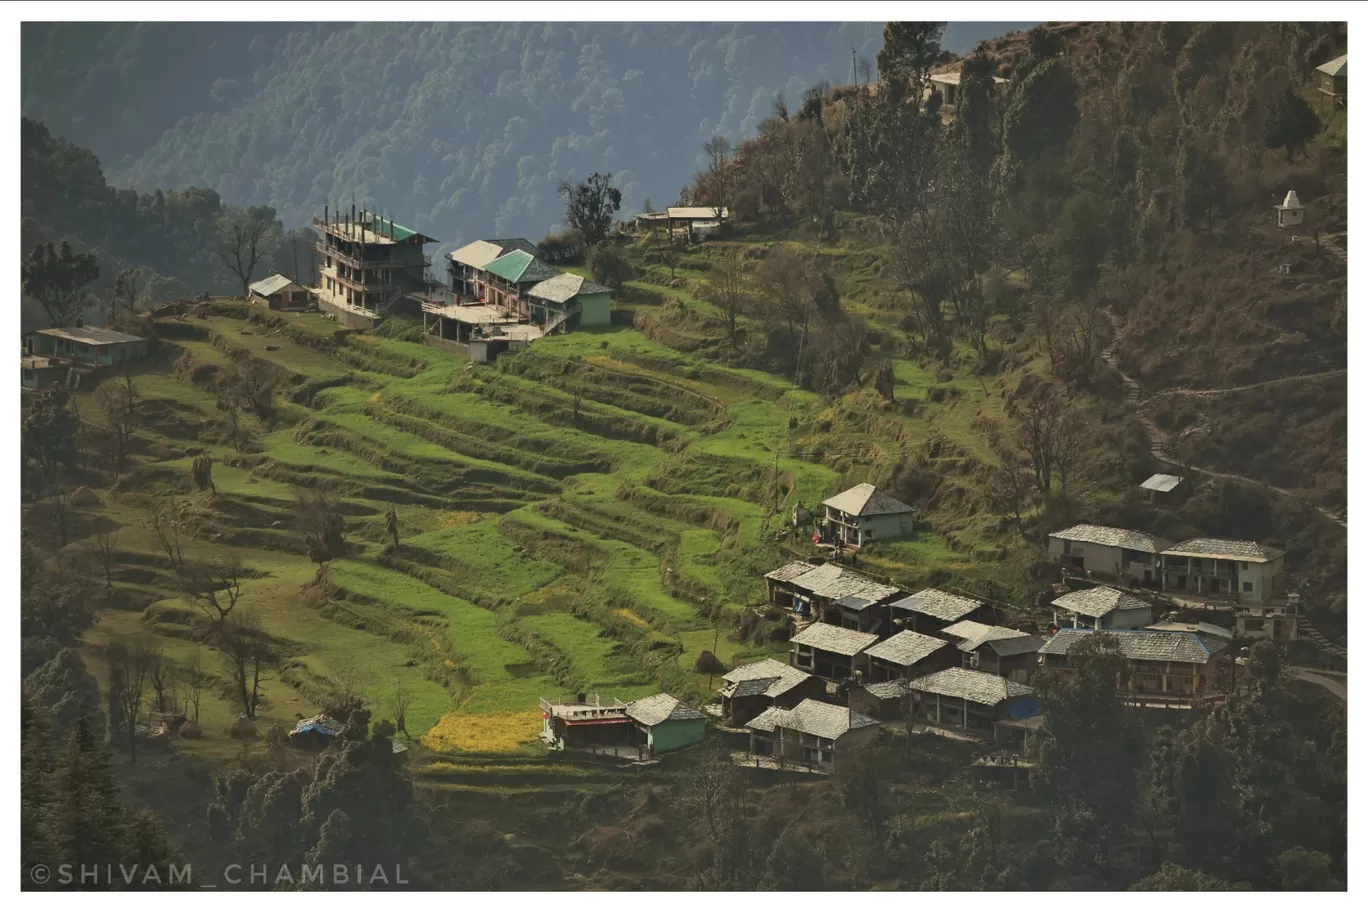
(862, 514)
(370, 265)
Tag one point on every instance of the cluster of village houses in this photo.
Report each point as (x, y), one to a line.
(866, 654)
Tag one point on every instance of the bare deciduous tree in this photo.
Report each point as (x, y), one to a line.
(192, 678)
(319, 519)
(729, 290)
(213, 586)
(117, 401)
(245, 238)
(400, 698)
(1052, 433)
(106, 541)
(166, 519)
(246, 652)
(131, 660)
(720, 176)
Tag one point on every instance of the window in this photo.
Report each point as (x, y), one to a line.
(1244, 565)
(1247, 586)
(1253, 624)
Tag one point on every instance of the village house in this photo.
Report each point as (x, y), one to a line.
(664, 723)
(1332, 81)
(581, 725)
(863, 514)
(948, 84)
(1205, 629)
(1102, 608)
(907, 655)
(1163, 488)
(815, 735)
(1109, 551)
(1002, 651)
(829, 652)
(779, 583)
(930, 610)
(835, 594)
(370, 267)
(42, 373)
(1166, 669)
(887, 701)
(686, 222)
(82, 347)
(1223, 569)
(1268, 622)
(749, 690)
(503, 297)
(970, 699)
(278, 292)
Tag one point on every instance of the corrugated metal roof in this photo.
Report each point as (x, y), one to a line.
(91, 335)
(834, 581)
(782, 678)
(1201, 627)
(1161, 483)
(269, 286)
(1014, 646)
(833, 639)
(661, 708)
(695, 212)
(812, 717)
(477, 254)
(866, 500)
(790, 571)
(1143, 645)
(511, 266)
(1099, 601)
(1224, 549)
(905, 648)
(940, 605)
(1112, 537)
(975, 686)
(1334, 67)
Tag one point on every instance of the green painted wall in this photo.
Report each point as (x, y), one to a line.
(674, 734)
(595, 309)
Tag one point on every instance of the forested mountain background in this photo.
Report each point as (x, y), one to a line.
(460, 130)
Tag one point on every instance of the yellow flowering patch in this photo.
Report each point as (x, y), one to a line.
(629, 615)
(450, 519)
(491, 734)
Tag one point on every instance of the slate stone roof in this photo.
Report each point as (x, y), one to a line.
(1016, 645)
(866, 500)
(790, 571)
(833, 639)
(940, 605)
(1099, 601)
(888, 690)
(777, 677)
(972, 635)
(835, 582)
(661, 708)
(478, 254)
(564, 286)
(1333, 67)
(1112, 537)
(811, 717)
(906, 648)
(975, 686)
(1224, 549)
(1143, 645)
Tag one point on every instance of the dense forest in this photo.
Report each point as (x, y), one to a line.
(460, 130)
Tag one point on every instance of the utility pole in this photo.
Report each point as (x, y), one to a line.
(854, 79)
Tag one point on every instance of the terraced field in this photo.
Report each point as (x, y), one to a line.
(587, 516)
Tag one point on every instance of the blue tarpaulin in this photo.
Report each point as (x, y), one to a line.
(1023, 708)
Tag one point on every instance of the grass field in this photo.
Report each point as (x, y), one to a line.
(589, 515)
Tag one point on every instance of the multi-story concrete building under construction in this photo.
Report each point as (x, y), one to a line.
(368, 265)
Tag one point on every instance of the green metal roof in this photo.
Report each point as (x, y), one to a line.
(520, 266)
(385, 227)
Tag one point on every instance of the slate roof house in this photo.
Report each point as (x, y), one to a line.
(1174, 669)
(830, 652)
(665, 723)
(1001, 651)
(1332, 80)
(863, 514)
(817, 735)
(1109, 551)
(749, 690)
(1102, 608)
(907, 655)
(835, 594)
(931, 610)
(968, 698)
(1242, 571)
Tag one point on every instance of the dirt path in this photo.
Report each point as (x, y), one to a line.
(1339, 685)
(1158, 440)
(1205, 393)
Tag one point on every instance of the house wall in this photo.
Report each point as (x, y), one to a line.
(848, 745)
(595, 309)
(1102, 559)
(674, 733)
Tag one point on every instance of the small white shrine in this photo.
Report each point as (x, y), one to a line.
(1291, 212)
